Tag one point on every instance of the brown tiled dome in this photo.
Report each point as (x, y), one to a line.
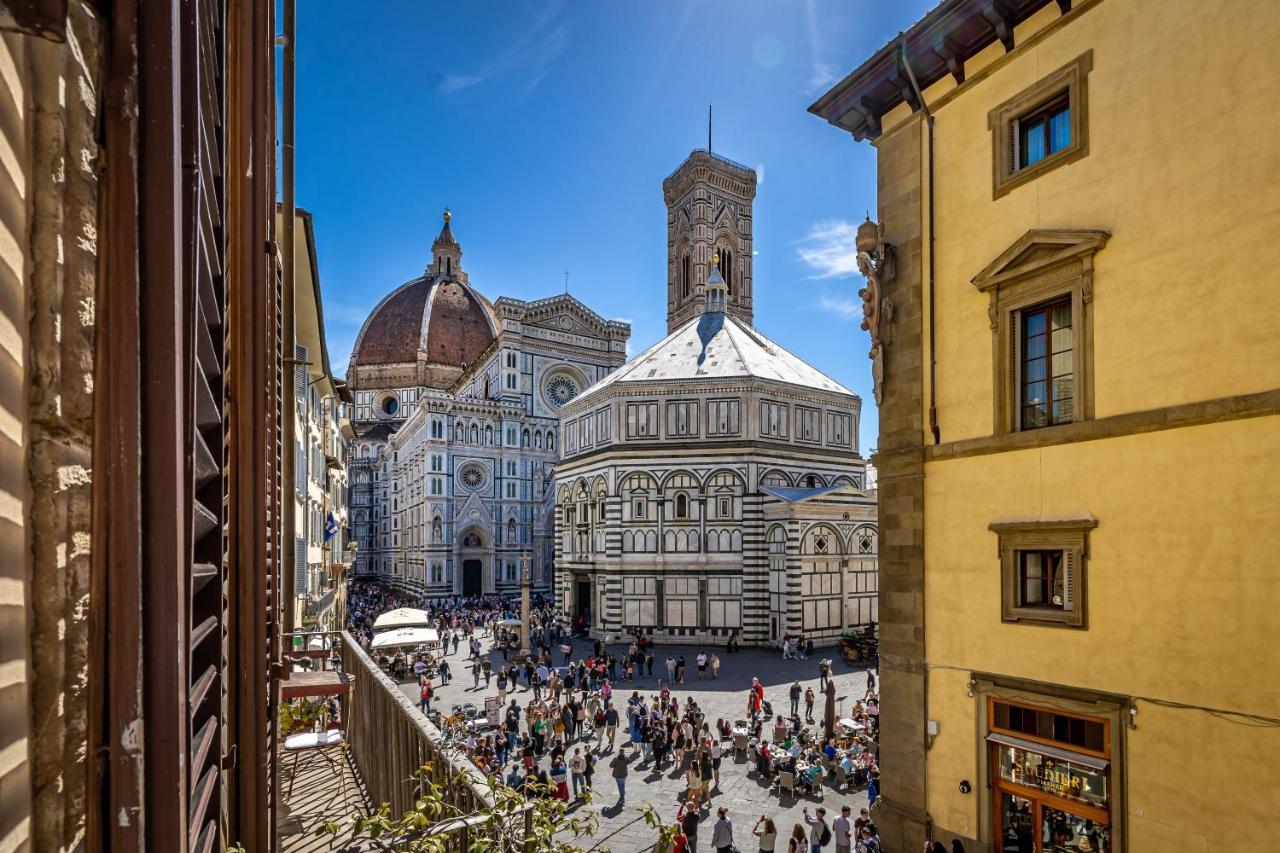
(447, 319)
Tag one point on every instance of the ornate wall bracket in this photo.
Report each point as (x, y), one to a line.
(876, 262)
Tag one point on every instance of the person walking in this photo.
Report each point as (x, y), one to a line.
(715, 666)
(610, 730)
(819, 832)
(424, 697)
(843, 830)
(767, 833)
(702, 665)
(475, 674)
(798, 842)
(808, 704)
(443, 671)
(680, 667)
(722, 832)
(487, 668)
(577, 771)
(619, 766)
(671, 669)
(689, 819)
(502, 686)
(795, 693)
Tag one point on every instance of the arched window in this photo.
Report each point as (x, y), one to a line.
(448, 266)
(486, 387)
(810, 481)
(682, 506)
(683, 273)
(726, 268)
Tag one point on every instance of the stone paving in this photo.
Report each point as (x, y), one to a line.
(747, 797)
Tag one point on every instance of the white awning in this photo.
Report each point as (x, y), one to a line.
(402, 617)
(406, 637)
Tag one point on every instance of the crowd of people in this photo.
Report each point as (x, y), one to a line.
(561, 716)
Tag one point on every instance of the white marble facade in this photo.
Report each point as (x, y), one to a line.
(457, 431)
(713, 484)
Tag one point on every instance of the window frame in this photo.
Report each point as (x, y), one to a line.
(1071, 537)
(1044, 309)
(1070, 82)
(1041, 267)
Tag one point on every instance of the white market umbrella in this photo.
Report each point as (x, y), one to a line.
(402, 617)
(406, 637)
(511, 622)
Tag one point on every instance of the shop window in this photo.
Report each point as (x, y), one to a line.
(1042, 571)
(1041, 128)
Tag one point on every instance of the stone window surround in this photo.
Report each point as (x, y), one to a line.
(1058, 263)
(1069, 535)
(1073, 79)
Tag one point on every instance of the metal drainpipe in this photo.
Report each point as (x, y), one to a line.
(288, 214)
(933, 408)
(933, 357)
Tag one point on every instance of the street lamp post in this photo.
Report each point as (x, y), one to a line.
(525, 649)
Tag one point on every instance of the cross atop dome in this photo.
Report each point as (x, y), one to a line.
(445, 251)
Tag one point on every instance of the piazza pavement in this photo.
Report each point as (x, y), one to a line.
(623, 829)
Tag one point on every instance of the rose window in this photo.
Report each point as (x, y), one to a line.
(561, 389)
(472, 476)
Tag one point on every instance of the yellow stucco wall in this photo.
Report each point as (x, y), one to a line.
(1182, 168)
(1183, 580)
(1183, 592)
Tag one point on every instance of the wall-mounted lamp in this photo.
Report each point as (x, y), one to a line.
(1133, 718)
(972, 687)
(965, 787)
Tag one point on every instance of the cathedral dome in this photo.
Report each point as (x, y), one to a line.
(443, 322)
(437, 321)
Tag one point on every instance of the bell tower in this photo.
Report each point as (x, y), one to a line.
(708, 201)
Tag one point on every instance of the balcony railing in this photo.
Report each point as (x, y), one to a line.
(389, 742)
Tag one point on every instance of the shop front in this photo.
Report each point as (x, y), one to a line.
(1051, 778)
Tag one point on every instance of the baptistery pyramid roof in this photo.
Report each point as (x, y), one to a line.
(716, 345)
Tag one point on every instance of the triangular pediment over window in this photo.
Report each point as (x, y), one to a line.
(1038, 251)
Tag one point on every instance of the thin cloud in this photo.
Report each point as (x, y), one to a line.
(533, 55)
(759, 174)
(828, 249)
(345, 313)
(820, 73)
(841, 306)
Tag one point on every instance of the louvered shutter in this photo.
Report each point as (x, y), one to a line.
(1070, 561)
(300, 566)
(1015, 144)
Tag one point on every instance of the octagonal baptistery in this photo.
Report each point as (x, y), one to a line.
(424, 334)
(712, 486)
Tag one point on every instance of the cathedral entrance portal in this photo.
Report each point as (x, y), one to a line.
(582, 602)
(472, 573)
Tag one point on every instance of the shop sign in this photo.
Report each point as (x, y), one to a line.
(1059, 777)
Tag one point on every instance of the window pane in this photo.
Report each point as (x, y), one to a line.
(1033, 416)
(1034, 393)
(1062, 316)
(1035, 346)
(1060, 129)
(1033, 142)
(1033, 324)
(1033, 370)
(1061, 367)
(1062, 340)
(1062, 411)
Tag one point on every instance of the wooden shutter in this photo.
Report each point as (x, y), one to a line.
(1070, 562)
(1014, 390)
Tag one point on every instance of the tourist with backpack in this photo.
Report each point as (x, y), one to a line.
(819, 831)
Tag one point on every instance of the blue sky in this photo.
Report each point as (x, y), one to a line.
(548, 127)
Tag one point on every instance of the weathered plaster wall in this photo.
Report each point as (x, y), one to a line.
(48, 259)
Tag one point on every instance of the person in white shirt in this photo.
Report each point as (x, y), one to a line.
(702, 665)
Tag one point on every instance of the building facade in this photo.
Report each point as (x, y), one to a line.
(322, 434)
(456, 423)
(713, 486)
(1079, 432)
